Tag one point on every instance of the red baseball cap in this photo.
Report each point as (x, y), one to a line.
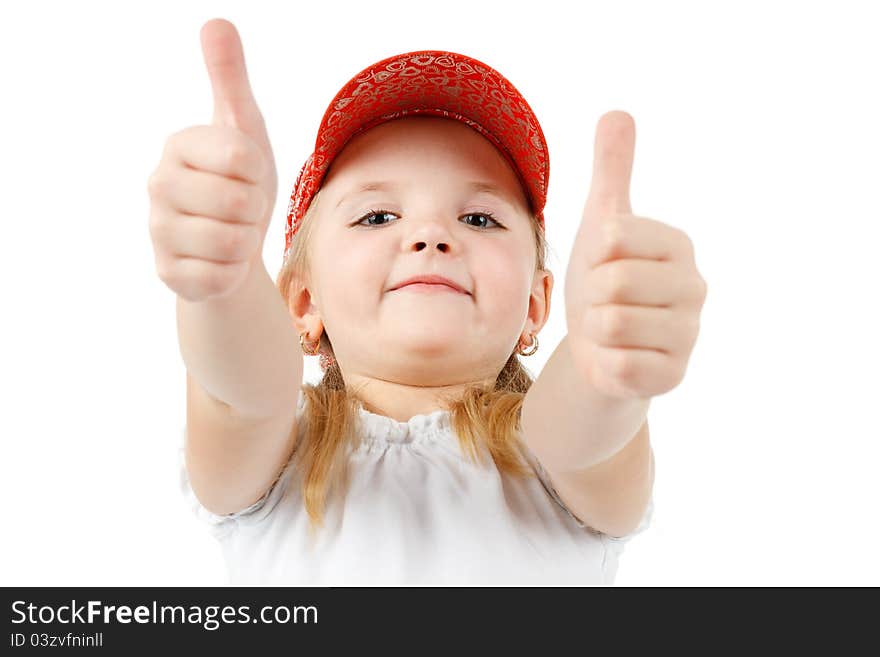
(428, 82)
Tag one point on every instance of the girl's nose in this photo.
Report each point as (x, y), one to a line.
(431, 233)
(421, 245)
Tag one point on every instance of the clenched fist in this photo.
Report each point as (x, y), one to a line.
(633, 295)
(212, 194)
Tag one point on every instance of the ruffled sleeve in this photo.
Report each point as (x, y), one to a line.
(220, 526)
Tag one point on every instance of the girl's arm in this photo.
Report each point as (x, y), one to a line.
(244, 370)
(242, 348)
(595, 449)
(633, 298)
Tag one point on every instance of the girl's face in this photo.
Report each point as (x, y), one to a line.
(431, 219)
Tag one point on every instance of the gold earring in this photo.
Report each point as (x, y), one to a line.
(533, 347)
(312, 351)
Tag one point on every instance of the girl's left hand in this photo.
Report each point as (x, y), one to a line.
(633, 295)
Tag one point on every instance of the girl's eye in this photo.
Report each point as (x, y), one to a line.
(487, 215)
(378, 213)
(372, 213)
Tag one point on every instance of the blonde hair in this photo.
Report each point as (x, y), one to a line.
(480, 415)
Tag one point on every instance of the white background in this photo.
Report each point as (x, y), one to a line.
(756, 133)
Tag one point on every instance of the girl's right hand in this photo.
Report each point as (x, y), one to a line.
(212, 194)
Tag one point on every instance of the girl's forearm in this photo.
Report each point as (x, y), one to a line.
(571, 424)
(243, 349)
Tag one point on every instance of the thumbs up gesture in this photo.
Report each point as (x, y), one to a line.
(212, 194)
(633, 295)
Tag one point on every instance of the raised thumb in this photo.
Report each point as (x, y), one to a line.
(613, 153)
(234, 103)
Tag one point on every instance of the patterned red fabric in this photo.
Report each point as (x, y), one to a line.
(438, 83)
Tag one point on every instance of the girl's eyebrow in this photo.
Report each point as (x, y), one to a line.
(367, 187)
(477, 186)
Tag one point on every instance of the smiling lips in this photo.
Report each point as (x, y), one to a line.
(430, 283)
(428, 287)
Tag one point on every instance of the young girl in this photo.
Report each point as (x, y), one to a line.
(414, 265)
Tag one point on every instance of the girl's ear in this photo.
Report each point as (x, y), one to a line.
(303, 310)
(539, 300)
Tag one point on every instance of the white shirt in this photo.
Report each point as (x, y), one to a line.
(418, 512)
